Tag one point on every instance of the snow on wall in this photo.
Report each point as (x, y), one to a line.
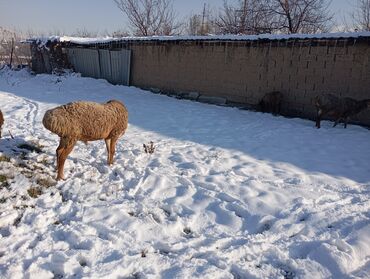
(85, 41)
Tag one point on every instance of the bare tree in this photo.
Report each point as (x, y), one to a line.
(361, 16)
(300, 16)
(194, 25)
(84, 33)
(12, 50)
(119, 33)
(150, 17)
(245, 17)
(201, 24)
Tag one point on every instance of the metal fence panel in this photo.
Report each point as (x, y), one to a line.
(120, 62)
(85, 61)
(105, 65)
(113, 66)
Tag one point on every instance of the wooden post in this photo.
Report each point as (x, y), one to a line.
(11, 54)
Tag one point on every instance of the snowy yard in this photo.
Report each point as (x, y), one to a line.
(227, 193)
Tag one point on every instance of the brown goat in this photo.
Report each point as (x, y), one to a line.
(86, 121)
(271, 102)
(339, 108)
(1, 122)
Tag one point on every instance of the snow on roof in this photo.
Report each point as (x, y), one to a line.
(87, 41)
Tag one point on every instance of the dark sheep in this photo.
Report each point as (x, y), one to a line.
(339, 108)
(271, 102)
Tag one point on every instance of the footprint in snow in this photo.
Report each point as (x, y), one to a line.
(83, 261)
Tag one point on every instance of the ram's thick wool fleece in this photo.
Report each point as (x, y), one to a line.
(87, 121)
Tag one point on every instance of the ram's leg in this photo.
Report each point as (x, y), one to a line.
(336, 122)
(339, 119)
(318, 118)
(65, 147)
(59, 150)
(346, 121)
(112, 149)
(107, 144)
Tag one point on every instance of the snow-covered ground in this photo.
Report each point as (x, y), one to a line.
(227, 193)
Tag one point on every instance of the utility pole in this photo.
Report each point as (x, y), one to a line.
(244, 17)
(202, 32)
(241, 18)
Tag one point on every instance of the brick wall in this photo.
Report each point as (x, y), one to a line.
(243, 71)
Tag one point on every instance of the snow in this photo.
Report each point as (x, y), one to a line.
(227, 193)
(86, 41)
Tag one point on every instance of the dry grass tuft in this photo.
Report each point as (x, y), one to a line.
(46, 183)
(3, 181)
(34, 192)
(2, 178)
(4, 158)
(149, 148)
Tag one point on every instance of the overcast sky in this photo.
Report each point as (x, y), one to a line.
(67, 16)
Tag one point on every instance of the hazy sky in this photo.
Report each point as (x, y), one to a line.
(95, 15)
